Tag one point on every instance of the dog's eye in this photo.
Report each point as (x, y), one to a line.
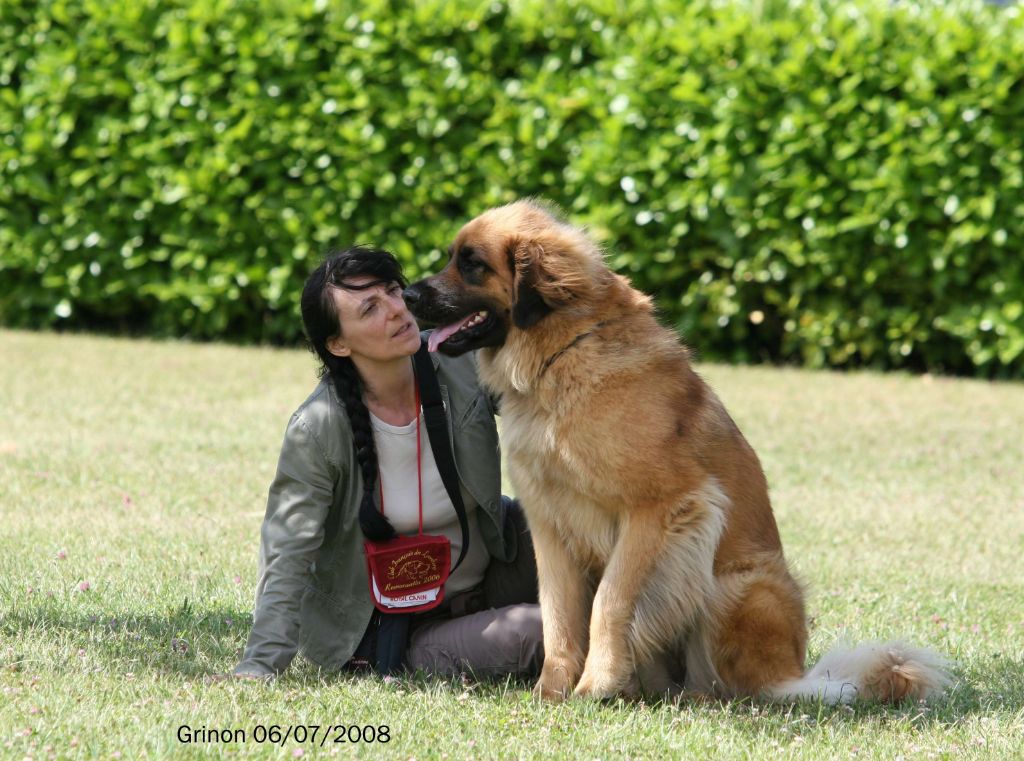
(470, 259)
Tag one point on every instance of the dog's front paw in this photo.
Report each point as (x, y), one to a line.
(556, 681)
(602, 685)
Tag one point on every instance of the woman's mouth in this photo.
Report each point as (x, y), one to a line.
(402, 330)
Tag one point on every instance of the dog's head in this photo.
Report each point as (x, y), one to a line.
(509, 269)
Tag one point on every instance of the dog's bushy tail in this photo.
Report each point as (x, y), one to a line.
(882, 671)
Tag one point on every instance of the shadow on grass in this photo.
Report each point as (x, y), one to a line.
(195, 643)
(186, 640)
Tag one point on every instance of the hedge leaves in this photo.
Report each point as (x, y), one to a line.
(831, 183)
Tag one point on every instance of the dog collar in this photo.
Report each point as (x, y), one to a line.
(551, 360)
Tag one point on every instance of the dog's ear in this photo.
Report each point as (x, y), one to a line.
(541, 281)
(529, 307)
(549, 271)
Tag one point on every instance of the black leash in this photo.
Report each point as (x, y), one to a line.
(440, 445)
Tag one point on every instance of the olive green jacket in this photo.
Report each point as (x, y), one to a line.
(313, 592)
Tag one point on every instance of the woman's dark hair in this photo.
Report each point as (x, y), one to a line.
(321, 321)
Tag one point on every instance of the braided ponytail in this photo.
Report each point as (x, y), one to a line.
(375, 526)
(320, 318)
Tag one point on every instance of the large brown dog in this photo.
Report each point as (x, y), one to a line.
(649, 511)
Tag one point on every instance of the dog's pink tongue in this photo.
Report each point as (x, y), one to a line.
(440, 334)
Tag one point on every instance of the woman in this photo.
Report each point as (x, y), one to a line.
(351, 444)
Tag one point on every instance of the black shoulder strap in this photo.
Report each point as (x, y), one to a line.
(437, 431)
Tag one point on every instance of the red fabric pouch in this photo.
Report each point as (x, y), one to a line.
(408, 573)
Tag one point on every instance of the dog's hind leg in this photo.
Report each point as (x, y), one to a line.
(761, 638)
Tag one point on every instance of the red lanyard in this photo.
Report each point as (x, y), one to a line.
(419, 466)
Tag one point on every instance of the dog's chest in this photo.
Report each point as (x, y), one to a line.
(535, 445)
(553, 482)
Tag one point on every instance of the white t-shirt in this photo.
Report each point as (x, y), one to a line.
(396, 457)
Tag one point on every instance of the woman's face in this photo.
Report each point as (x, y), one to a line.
(375, 323)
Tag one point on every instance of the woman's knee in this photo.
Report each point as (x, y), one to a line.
(518, 634)
(493, 643)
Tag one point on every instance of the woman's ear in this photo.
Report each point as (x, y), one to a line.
(338, 347)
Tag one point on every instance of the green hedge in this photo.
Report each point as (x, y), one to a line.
(837, 184)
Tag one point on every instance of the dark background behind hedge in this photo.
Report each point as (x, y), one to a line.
(833, 184)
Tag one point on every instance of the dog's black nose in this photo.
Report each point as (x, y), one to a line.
(412, 294)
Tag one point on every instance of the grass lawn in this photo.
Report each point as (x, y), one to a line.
(133, 478)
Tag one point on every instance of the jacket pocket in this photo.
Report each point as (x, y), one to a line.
(471, 411)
